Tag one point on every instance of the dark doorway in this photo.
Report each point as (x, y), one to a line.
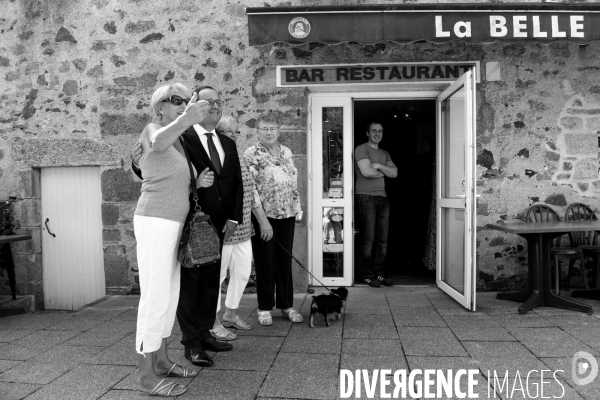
(407, 125)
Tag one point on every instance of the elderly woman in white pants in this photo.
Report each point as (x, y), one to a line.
(237, 251)
(158, 220)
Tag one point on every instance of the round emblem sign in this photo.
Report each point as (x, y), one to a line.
(299, 28)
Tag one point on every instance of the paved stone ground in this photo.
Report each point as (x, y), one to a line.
(90, 354)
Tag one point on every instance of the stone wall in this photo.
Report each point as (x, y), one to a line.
(77, 78)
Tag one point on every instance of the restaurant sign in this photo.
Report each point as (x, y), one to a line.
(340, 74)
(437, 23)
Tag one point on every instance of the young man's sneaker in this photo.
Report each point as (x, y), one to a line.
(385, 281)
(372, 282)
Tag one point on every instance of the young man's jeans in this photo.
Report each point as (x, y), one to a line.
(374, 214)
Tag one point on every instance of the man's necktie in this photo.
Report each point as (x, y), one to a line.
(214, 154)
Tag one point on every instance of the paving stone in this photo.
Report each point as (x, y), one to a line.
(587, 334)
(100, 314)
(318, 332)
(370, 362)
(117, 301)
(225, 385)
(16, 391)
(244, 359)
(365, 306)
(83, 382)
(443, 363)
(120, 353)
(129, 315)
(563, 367)
(511, 322)
(556, 311)
(67, 355)
(5, 365)
(444, 304)
(34, 373)
(33, 322)
(17, 353)
(121, 395)
(417, 316)
(408, 300)
(476, 321)
(9, 335)
(76, 323)
(430, 342)
(106, 334)
(550, 342)
(500, 367)
(379, 327)
(304, 376)
(570, 320)
(552, 389)
(482, 350)
(307, 344)
(43, 340)
(375, 347)
(482, 334)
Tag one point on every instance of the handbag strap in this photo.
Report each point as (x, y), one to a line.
(193, 181)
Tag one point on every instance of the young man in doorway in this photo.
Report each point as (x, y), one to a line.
(372, 164)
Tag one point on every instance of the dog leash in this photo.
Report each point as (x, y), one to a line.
(300, 264)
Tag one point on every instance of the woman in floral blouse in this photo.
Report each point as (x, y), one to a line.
(275, 175)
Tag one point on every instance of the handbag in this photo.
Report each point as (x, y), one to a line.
(200, 242)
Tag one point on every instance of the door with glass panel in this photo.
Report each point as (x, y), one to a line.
(330, 224)
(456, 269)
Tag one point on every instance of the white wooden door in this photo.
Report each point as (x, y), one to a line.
(72, 237)
(456, 269)
(331, 165)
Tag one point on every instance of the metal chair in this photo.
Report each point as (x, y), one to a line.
(544, 213)
(586, 241)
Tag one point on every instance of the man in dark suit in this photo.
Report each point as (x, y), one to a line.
(223, 201)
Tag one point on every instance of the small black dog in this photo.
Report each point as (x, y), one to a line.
(326, 304)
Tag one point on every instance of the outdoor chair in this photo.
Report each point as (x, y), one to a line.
(586, 241)
(544, 213)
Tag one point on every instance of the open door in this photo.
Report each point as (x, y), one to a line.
(331, 166)
(456, 268)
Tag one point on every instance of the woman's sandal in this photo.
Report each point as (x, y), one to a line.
(169, 387)
(237, 323)
(293, 315)
(187, 373)
(223, 334)
(264, 318)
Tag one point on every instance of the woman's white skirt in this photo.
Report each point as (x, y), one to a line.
(159, 277)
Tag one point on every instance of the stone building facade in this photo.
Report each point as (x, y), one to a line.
(77, 78)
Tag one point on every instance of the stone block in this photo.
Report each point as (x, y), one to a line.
(300, 163)
(121, 124)
(557, 199)
(116, 267)
(29, 181)
(111, 235)
(567, 166)
(571, 123)
(581, 143)
(28, 267)
(295, 140)
(482, 209)
(586, 169)
(33, 246)
(593, 124)
(119, 185)
(110, 213)
(27, 212)
(64, 152)
(583, 186)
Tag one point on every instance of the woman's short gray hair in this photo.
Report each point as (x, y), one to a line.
(164, 92)
(271, 117)
(226, 122)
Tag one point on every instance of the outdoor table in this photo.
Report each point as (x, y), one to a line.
(539, 237)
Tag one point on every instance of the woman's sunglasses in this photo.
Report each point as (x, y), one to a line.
(176, 100)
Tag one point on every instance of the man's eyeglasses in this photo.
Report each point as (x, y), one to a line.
(213, 102)
(176, 100)
(271, 129)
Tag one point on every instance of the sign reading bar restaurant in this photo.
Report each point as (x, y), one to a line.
(436, 23)
(308, 75)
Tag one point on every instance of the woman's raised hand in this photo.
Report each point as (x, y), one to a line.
(206, 178)
(196, 110)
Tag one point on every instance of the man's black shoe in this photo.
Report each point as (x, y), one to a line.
(211, 344)
(372, 282)
(385, 281)
(198, 357)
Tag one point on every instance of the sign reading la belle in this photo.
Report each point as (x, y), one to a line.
(308, 75)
